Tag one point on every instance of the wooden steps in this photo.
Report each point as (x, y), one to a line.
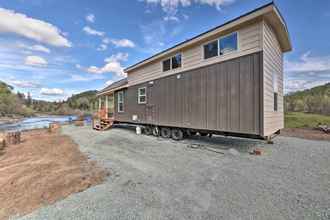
(103, 124)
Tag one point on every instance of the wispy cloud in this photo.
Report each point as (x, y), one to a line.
(171, 7)
(35, 61)
(306, 72)
(119, 42)
(90, 31)
(171, 18)
(36, 47)
(301, 84)
(81, 78)
(52, 92)
(22, 83)
(308, 63)
(38, 30)
(90, 18)
(102, 47)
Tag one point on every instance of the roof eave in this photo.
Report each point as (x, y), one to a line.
(236, 21)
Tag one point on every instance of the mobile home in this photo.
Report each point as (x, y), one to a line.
(228, 80)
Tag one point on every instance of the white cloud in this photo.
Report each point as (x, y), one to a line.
(301, 84)
(123, 43)
(170, 7)
(307, 63)
(119, 42)
(112, 65)
(109, 82)
(80, 78)
(102, 47)
(106, 40)
(23, 84)
(117, 57)
(171, 18)
(38, 30)
(90, 18)
(90, 31)
(36, 47)
(51, 92)
(35, 61)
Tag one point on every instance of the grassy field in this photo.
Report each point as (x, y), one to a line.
(303, 120)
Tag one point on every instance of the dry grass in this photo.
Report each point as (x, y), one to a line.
(44, 168)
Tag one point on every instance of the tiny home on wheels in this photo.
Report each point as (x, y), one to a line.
(228, 80)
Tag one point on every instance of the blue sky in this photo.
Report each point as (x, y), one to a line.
(55, 48)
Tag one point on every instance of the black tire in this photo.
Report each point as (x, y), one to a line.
(193, 133)
(203, 134)
(165, 132)
(155, 131)
(147, 130)
(177, 134)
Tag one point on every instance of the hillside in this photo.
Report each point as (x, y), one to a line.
(314, 100)
(12, 104)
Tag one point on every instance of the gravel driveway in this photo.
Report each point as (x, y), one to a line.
(154, 178)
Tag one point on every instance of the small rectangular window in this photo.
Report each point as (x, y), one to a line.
(121, 101)
(228, 43)
(166, 65)
(176, 61)
(142, 95)
(211, 49)
(275, 91)
(275, 101)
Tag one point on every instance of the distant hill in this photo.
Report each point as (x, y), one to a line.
(12, 104)
(83, 101)
(314, 100)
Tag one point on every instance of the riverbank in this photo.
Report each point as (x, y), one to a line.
(10, 120)
(22, 124)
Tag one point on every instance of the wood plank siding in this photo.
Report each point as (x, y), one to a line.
(273, 63)
(249, 41)
(223, 96)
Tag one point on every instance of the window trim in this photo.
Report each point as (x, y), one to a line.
(122, 102)
(227, 35)
(163, 65)
(218, 39)
(203, 53)
(145, 95)
(170, 58)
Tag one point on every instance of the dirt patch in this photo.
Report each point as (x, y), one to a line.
(306, 133)
(44, 168)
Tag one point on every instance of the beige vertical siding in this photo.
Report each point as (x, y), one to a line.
(273, 63)
(250, 41)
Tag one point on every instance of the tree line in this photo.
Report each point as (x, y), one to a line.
(18, 104)
(314, 100)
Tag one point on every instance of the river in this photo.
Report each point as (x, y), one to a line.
(35, 122)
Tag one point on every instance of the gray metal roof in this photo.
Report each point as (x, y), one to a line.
(114, 85)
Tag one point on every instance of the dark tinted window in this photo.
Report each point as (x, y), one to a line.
(275, 101)
(211, 49)
(176, 61)
(166, 65)
(228, 44)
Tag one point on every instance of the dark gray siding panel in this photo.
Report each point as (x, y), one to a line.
(223, 96)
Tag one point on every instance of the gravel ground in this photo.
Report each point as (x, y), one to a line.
(154, 178)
